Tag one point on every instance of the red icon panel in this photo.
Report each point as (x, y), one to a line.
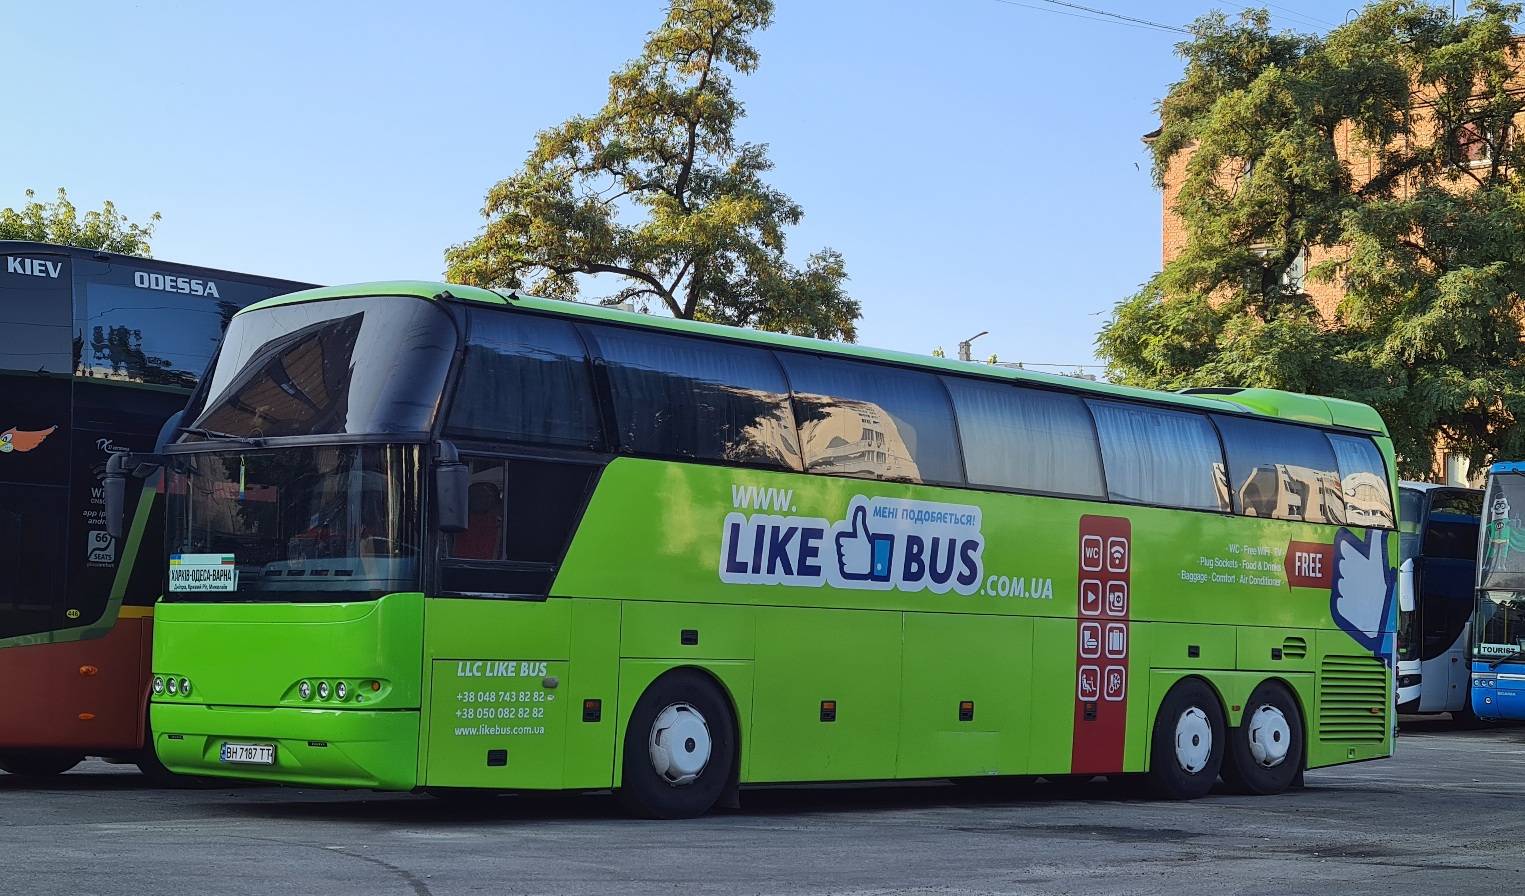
(1101, 664)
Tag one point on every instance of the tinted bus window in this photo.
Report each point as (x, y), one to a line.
(150, 327)
(1451, 528)
(690, 398)
(525, 379)
(1280, 471)
(353, 365)
(38, 314)
(1163, 457)
(1026, 439)
(1363, 479)
(873, 422)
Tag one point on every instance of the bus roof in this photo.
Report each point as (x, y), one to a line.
(1260, 402)
(1508, 466)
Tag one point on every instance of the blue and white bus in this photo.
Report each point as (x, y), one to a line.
(1438, 550)
(1498, 623)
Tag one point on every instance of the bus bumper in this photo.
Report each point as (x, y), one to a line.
(320, 748)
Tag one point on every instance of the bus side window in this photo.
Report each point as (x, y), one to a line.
(1026, 439)
(873, 421)
(695, 399)
(1363, 478)
(1160, 456)
(483, 538)
(1281, 471)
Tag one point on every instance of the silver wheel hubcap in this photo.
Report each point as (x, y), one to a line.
(680, 744)
(1270, 736)
(1194, 740)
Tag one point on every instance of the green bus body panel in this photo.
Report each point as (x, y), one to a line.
(512, 676)
(525, 694)
(653, 630)
(330, 748)
(806, 656)
(653, 531)
(984, 660)
(245, 662)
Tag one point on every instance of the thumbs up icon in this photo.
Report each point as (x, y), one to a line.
(863, 555)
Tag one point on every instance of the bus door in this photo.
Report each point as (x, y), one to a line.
(1444, 573)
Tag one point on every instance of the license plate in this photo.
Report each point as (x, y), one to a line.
(249, 754)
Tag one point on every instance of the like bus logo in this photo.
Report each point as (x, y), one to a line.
(879, 544)
(863, 555)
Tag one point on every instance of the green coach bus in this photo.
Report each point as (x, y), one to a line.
(434, 537)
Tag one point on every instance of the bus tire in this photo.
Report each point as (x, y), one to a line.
(154, 771)
(1187, 746)
(680, 748)
(1266, 750)
(38, 763)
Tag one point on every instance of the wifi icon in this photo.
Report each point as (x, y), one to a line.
(1117, 555)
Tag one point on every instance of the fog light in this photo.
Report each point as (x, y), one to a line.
(322, 690)
(158, 684)
(185, 687)
(341, 690)
(305, 689)
(172, 686)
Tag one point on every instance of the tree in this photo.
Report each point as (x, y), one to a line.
(60, 223)
(1385, 152)
(707, 236)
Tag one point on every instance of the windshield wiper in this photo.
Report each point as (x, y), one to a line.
(1506, 658)
(214, 434)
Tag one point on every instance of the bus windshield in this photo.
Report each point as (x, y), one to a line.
(1500, 628)
(320, 523)
(360, 365)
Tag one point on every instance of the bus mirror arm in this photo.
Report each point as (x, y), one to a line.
(452, 479)
(1406, 586)
(118, 467)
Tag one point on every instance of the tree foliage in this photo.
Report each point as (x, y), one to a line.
(1387, 150)
(656, 190)
(59, 222)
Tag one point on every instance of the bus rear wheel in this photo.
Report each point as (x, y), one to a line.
(38, 763)
(1187, 745)
(1266, 750)
(680, 748)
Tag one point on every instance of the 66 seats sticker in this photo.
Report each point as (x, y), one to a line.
(881, 544)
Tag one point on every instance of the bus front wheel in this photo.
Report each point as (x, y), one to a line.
(1266, 750)
(680, 748)
(1187, 746)
(38, 763)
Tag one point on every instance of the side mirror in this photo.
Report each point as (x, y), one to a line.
(1406, 586)
(452, 479)
(115, 487)
(114, 484)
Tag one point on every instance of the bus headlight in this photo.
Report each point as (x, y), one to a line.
(322, 690)
(158, 684)
(185, 687)
(305, 689)
(171, 686)
(341, 690)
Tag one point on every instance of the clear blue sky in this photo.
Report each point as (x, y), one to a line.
(977, 162)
